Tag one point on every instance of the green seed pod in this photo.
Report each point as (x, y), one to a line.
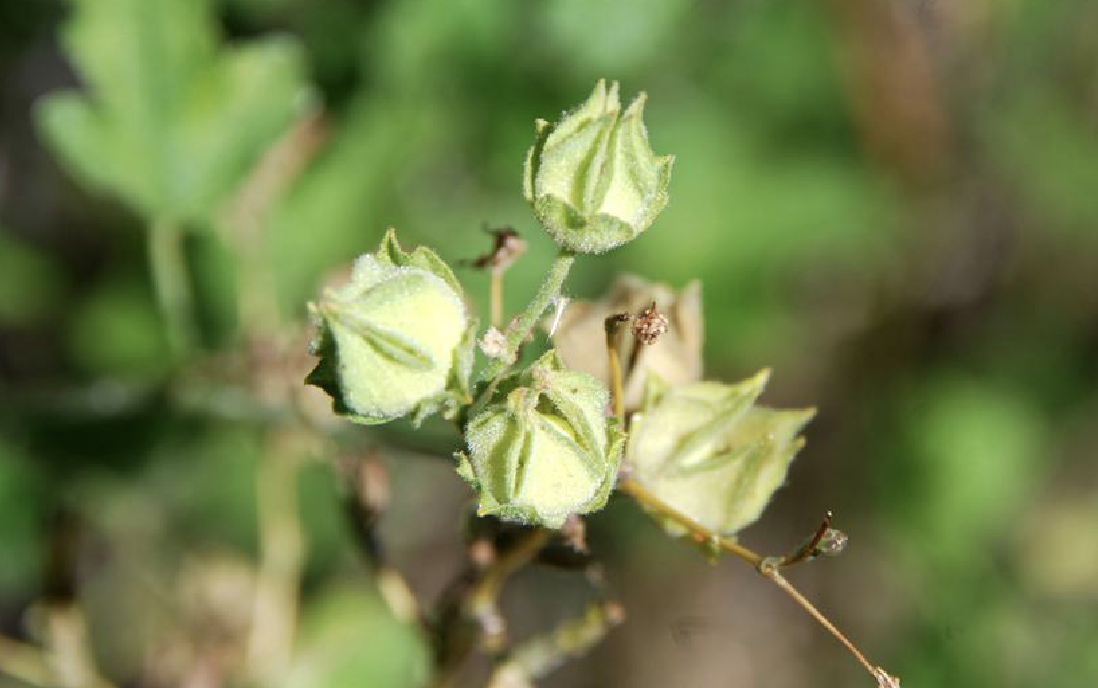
(707, 451)
(592, 179)
(543, 449)
(396, 339)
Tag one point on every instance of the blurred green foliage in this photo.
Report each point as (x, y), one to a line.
(170, 121)
(943, 320)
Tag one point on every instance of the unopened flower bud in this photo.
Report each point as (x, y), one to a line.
(707, 451)
(394, 340)
(543, 449)
(592, 179)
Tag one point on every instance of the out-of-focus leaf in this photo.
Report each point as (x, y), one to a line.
(611, 37)
(170, 120)
(29, 281)
(349, 638)
(21, 534)
(707, 451)
(116, 331)
(1049, 148)
(334, 212)
(975, 446)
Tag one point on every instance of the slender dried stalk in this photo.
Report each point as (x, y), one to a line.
(767, 566)
(495, 296)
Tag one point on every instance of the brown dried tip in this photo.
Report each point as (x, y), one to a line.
(506, 250)
(650, 324)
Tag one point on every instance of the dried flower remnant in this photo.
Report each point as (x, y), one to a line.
(493, 343)
(674, 358)
(650, 325)
(508, 247)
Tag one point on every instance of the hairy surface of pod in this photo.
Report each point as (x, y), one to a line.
(592, 179)
(395, 340)
(706, 450)
(543, 449)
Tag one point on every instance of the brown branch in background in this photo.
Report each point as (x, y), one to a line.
(69, 650)
(767, 566)
(273, 379)
(247, 216)
(469, 614)
(365, 502)
(481, 604)
(281, 548)
(535, 658)
(894, 89)
(67, 656)
(26, 663)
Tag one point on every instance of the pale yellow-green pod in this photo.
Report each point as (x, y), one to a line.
(707, 451)
(544, 448)
(396, 339)
(592, 179)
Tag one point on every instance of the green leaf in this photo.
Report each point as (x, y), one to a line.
(169, 120)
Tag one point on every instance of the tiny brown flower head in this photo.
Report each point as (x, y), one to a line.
(650, 324)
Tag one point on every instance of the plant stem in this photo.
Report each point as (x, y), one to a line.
(495, 296)
(486, 592)
(771, 571)
(25, 663)
(281, 548)
(171, 282)
(613, 344)
(766, 566)
(538, 656)
(478, 607)
(697, 531)
(521, 326)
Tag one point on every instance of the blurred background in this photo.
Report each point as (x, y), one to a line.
(893, 204)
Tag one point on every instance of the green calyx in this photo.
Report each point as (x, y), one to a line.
(706, 450)
(592, 179)
(543, 449)
(396, 339)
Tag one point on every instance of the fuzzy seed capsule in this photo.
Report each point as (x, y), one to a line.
(592, 179)
(709, 452)
(543, 450)
(395, 340)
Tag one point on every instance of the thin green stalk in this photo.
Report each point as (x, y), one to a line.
(520, 327)
(167, 261)
(496, 297)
